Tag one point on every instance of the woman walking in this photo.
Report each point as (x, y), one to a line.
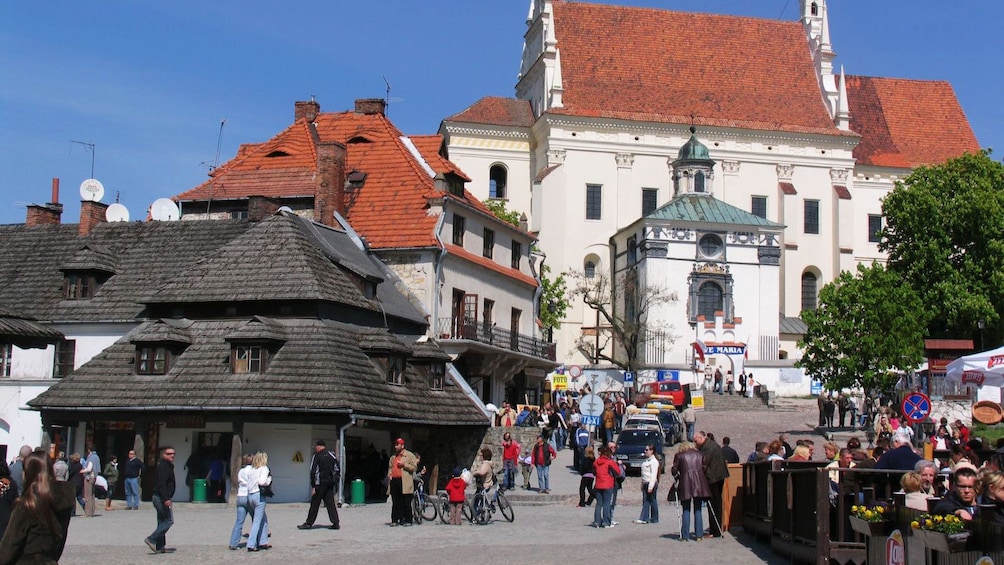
(692, 488)
(586, 482)
(37, 529)
(607, 470)
(243, 506)
(260, 476)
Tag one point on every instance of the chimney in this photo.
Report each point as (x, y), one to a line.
(91, 214)
(330, 194)
(371, 106)
(47, 215)
(261, 207)
(306, 110)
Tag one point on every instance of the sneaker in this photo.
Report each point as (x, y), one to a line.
(305, 526)
(334, 527)
(614, 523)
(149, 543)
(641, 521)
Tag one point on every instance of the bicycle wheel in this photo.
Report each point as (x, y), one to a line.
(416, 509)
(444, 508)
(480, 511)
(468, 511)
(506, 508)
(428, 509)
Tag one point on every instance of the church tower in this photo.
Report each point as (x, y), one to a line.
(816, 23)
(540, 67)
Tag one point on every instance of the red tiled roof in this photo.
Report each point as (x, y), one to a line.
(495, 110)
(906, 123)
(842, 192)
(959, 344)
(489, 264)
(787, 188)
(658, 65)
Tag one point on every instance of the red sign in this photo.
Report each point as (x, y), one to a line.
(916, 407)
(894, 554)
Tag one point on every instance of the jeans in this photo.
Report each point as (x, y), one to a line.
(608, 435)
(243, 509)
(691, 428)
(132, 492)
(698, 519)
(650, 504)
(601, 515)
(544, 477)
(259, 522)
(509, 476)
(165, 519)
(561, 439)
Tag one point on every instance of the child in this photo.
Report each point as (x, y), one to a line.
(526, 467)
(456, 488)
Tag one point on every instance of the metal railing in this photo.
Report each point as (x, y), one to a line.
(457, 328)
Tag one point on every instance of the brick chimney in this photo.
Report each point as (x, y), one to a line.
(371, 106)
(308, 109)
(91, 214)
(47, 215)
(330, 194)
(261, 207)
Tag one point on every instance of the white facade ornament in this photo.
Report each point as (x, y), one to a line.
(555, 156)
(839, 175)
(784, 171)
(625, 160)
(730, 167)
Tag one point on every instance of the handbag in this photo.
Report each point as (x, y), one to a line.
(266, 490)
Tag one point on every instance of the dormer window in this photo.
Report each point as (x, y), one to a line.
(248, 358)
(393, 368)
(437, 376)
(152, 359)
(82, 285)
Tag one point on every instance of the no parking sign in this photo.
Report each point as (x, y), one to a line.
(916, 407)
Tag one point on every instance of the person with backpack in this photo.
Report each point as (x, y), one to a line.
(542, 455)
(324, 477)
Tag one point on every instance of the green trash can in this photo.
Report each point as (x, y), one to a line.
(199, 490)
(358, 492)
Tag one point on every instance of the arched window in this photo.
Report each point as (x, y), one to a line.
(814, 9)
(589, 269)
(497, 182)
(699, 182)
(709, 300)
(809, 293)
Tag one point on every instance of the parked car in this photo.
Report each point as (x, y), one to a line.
(672, 426)
(664, 391)
(641, 419)
(631, 444)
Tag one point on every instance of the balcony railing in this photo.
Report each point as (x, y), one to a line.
(456, 328)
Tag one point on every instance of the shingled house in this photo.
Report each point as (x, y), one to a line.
(473, 273)
(278, 332)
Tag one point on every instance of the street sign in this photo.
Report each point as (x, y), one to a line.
(559, 382)
(916, 407)
(628, 377)
(667, 375)
(574, 371)
(590, 420)
(591, 405)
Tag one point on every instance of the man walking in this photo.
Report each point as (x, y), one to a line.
(163, 492)
(92, 466)
(690, 421)
(133, 471)
(324, 475)
(402, 484)
(716, 471)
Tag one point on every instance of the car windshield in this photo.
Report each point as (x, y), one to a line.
(667, 418)
(638, 437)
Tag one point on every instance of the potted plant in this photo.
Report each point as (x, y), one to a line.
(868, 521)
(941, 533)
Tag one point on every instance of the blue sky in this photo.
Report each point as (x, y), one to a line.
(149, 82)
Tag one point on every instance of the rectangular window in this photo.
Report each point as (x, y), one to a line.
(437, 376)
(811, 219)
(632, 250)
(459, 227)
(6, 349)
(874, 228)
(488, 244)
(514, 328)
(248, 359)
(649, 200)
(395, 370)
(151, 360)
(517, 254)
(488, 318)
(78, 286)
(594, 202)
(66, 353)
(758, 206)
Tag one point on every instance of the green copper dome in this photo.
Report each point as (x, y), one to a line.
(693, 150)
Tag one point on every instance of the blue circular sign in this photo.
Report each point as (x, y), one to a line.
(916, 407)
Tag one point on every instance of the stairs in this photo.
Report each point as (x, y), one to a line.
(713, 402)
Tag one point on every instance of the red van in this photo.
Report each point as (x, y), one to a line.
(664, 391)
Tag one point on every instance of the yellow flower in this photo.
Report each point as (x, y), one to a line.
(868, 513)
(879, 509)
(928, 523)
(915, 524)
(854, 508)
(939, 518)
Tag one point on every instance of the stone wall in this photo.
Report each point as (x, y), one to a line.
(953, 410)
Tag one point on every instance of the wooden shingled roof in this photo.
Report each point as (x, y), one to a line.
(319, 368)
(23, 331)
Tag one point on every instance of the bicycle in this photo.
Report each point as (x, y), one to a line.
(484, 505)
(444, 508)
(422, 507)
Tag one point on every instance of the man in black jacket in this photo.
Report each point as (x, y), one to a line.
(163, 492)
(323, 479)
(717, 471)
(961, 500)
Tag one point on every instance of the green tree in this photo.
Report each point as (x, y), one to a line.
(945, 237)
(498, 208)
(866, 327)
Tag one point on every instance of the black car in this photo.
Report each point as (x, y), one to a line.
(672, 426)
(631, 447)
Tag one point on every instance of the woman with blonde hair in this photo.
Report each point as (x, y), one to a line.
(38, 524)
(912, 485)
(259, 476)
(243, 506)
(802, 453)
(993, 493)
(692, 488)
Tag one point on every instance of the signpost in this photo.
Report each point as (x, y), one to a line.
(628, 378)
(916, 407)
(591, 405)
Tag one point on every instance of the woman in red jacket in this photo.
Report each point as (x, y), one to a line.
(606, 470)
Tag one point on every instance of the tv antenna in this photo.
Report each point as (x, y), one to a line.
(90, 147)
(219, 144)
(386, 102)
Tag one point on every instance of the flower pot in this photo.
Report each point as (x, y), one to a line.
(946, 543)
(867, 528)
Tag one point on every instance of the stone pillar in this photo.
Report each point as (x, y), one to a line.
(139, 446)
(236, 452)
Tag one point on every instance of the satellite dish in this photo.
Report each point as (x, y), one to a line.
(92, 190)
(165, 210)
(117, 213)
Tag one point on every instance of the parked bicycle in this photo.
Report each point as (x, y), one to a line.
(486, 501)
(444, 508)
(423, 507)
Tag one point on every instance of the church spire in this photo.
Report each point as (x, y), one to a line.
(816, 22)
(843, 117)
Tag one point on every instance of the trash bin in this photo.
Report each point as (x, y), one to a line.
(199, 490)
(358, 492)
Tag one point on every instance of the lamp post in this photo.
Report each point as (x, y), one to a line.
(982, 324)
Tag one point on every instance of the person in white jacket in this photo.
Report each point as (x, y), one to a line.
(244, 476)
(260, 476)
(649, 488)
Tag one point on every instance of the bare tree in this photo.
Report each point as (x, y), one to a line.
(622, 307)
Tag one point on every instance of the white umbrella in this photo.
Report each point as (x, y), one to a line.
(979, 369)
